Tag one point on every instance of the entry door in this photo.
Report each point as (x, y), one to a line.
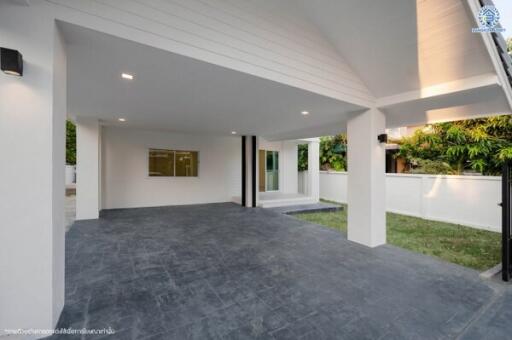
(272, 171)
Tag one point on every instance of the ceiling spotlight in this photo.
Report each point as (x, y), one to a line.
(127, 76)
(233, 132)
(121, 119)
(305, 113)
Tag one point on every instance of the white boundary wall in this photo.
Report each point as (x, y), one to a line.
(467, 200)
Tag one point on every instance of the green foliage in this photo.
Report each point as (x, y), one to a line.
(427, 166)
(303, 157)
(481, 145)
(70, 143)
(333, 150)
(509, 45)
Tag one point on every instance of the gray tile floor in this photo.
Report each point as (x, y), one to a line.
(220, 271)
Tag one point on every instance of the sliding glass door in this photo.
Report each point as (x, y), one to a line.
(272, 171)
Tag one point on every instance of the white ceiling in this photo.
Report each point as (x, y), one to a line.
(396, 47)
(176, 93)
(402, 45)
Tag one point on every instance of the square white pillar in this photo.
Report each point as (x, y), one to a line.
(314, 169)
(288, 172)
(366, 197)
(32, 145)
(87, 168)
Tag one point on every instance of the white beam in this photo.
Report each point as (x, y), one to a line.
(366, 179)
(439, 90)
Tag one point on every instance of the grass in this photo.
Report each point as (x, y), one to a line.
(477, 249)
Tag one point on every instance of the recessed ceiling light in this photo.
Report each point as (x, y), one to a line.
(305, 113)
(233, 132)
(127, 76)
(121, 119)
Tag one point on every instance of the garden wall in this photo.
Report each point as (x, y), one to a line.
(468, 200)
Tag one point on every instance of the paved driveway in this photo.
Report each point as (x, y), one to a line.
(220, 271)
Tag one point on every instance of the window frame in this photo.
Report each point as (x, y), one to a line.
(174, 151)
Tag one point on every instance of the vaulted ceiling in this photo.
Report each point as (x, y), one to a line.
(416, 60)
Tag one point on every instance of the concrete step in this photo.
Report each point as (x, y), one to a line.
(284, 202)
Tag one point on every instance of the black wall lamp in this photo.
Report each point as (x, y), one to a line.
(11, 62)
(383, 138)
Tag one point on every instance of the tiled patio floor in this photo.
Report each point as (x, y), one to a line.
(220, 271)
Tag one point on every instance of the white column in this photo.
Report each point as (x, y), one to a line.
(314, 169)
(87, 168)
(32, 130)
(288, 171)
(366, 179)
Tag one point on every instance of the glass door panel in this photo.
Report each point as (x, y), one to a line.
(272, 171)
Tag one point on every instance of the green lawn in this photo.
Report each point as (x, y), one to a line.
(462, 245)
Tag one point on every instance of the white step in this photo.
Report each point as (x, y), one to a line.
(286, 202)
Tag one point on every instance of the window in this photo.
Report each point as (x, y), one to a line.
(161, 163)
(186, 163)
(168, 163)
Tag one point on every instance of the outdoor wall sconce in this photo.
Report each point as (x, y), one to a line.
(11, 62)
(383, 138)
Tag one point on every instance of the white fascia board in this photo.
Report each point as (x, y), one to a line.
(309, 140)
(474, 8)
(440, 90)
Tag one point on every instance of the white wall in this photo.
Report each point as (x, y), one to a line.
(467, 200)
(32, 117)
(126, 183)
(333, 186)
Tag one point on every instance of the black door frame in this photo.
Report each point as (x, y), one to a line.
(244, 170)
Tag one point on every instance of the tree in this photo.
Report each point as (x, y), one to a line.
(70, 143)
(332, 153)
(509, 45)
(333, 150)
(303, 157)
(481, 145)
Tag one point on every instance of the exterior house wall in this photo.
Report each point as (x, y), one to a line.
(126, 183)
(466, 200)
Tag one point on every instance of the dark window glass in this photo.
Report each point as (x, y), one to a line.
(186, 163)
(161, 162)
